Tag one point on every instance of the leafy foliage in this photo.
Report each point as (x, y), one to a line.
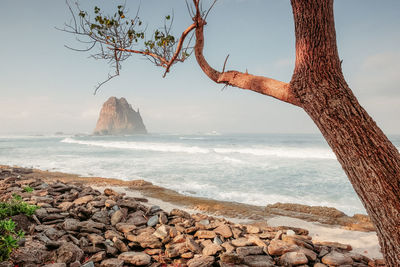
(28, 189)
(115, 37)
(8, 238)
(16, 206)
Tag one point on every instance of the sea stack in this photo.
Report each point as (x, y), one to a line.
(118, 117)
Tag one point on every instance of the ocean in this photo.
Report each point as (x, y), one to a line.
(257, 169)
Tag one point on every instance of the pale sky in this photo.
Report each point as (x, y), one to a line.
(47, 88)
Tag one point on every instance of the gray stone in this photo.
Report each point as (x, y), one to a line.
(153, 220)
(88, 264)
(217, 240)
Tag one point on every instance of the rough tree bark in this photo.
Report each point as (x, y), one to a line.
(369, 159)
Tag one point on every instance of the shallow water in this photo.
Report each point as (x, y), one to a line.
(248, 168)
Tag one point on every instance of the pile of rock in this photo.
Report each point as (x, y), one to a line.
(79, 226)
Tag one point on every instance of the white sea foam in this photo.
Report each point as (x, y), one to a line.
(282, 152)
(160, 147)
(191, 138)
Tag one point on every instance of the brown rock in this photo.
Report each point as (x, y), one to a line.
(99, 256)
(231, 258)
(101, 217)
(110, 203)
(205, 234)
(135, 258)
(236, 232)
(152, 251)
(95, 239)
(335, 258)
(70, 224)
(203, 261)
(131, 204)
(211, 249)
(251, 229)
(252, 250)
(68, 252)
(259, 261)
(298, 240)
(118, 117)
(335, 245)
(293, 258)
(311, 255)
(193, 246)
(137, 218)
(179, 213)
(116, 217)
(224, 230)
(228, 247)
(121, 246)
(187, 255)
(161, 232)
(83, 200)
(64, 206)
(125, 227)
(279, 247)
(241, 242)
(257, 241)
(110, 234)
(114, 262)
(32, 254)
(110, 192)
(146, 240)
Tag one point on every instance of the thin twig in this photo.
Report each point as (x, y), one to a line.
(226, 59)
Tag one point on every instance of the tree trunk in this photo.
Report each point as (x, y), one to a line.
(369, 159)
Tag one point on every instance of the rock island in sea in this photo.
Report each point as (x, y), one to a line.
(117, 117)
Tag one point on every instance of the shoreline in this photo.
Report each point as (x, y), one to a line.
(324, 224)
(324, 215)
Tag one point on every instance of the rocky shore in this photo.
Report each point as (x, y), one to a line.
(77, 225)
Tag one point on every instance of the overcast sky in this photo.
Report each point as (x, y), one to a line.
(46, 87)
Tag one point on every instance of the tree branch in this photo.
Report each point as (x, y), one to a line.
(179, 47)
(263, 85)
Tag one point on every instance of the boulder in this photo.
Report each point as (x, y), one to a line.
(114, 262)
(203, 261)
(336, 258)
(293, 258)
(68, 252)
(135, 258)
